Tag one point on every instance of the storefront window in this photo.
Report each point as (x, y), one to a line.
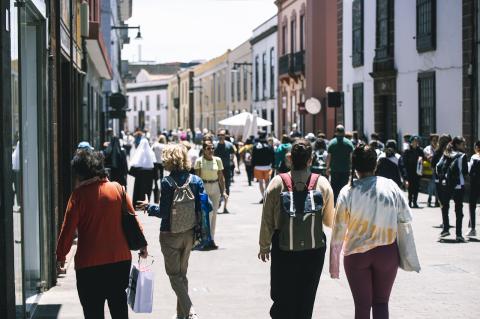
(16, 161)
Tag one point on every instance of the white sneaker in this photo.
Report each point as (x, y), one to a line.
(193, 316)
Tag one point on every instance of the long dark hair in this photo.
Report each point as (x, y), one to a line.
(301, 153)
(364, 159)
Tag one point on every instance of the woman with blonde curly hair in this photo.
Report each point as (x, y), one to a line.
(179, 210)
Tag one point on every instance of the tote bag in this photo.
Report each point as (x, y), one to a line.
(140, 289)
(406, 248)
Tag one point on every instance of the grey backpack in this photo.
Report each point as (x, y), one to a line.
(183, 216)
(301, 216)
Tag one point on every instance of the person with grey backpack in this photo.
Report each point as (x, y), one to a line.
(297, 205)
(180, 211)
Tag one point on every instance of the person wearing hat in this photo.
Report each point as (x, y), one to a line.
(339, 160)
(408, 164)
(84, 145)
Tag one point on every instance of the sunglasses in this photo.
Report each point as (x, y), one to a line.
(209, 148)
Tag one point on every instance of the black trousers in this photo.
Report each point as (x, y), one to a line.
(143, 185)
(249, 169)
(106, 282)
(228, 179)
(413, 188)
(474, 195)
(338, 181)
(445, 195)
(294, 281)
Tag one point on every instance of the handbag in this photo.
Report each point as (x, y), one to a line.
(134, 235)
(406, 248)
(140, 288)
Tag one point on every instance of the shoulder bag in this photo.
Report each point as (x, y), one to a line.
(134, 235)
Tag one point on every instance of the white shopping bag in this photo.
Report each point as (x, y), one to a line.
(140, 289)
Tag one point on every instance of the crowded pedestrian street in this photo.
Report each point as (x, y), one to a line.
(232, 283)
(239, 159)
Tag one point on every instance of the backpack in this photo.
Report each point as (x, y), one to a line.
(475, 172)
(183, 216)
(301, 222)
(319, 163)
(448, 172)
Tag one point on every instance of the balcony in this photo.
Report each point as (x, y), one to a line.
(299, 63)
(285, 65)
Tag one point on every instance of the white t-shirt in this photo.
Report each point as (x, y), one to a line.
(157, 148)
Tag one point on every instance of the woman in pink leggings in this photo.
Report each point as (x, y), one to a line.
(365, 228)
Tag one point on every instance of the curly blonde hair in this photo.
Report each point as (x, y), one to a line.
(175, 158)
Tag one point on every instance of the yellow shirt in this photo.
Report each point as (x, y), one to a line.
(209, 169)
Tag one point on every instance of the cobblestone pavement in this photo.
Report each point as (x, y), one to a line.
(232, 283)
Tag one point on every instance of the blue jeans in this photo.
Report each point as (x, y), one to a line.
(432, 189)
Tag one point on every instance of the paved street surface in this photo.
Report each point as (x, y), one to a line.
(231, 283)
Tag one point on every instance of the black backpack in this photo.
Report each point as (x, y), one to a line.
(475, 172)
(319, 163)
(448, 172)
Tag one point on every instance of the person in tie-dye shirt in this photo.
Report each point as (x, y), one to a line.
(365, 228)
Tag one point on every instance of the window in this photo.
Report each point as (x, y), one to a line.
(426, 25)
(293, 36)
(147, 102)
(233, 74)
(426, 103)
(141, 105)
(358, 108)
(264, 75)
(239, 89)
(357, 33)
(245, 83)
(302, 32)
(219, 89)
(135, 103)
(284, 39)
(135, 123)
(384, 26)
(158, 102)
(159, 129)
(257, 73)
(272, 73)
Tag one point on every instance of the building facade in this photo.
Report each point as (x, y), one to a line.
(404, 68)
(238, 80)
(307, 63)
(211, 92)
(49, 60)
(147, 100)
(265, 71)
(179, 96)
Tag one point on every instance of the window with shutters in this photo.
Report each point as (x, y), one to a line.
(245, 83)
(357, 33)
(264, 75)
(239, 84)
(257, 73)
(384, 25)
(426, 104)
(272, 73)
(358, 108)
(426, 25)
(158, 102)
(135, 103)
(147, 103)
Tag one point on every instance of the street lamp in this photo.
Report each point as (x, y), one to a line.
(123, 27)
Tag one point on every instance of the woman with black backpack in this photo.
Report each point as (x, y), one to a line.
(451, 171)
(409, 165)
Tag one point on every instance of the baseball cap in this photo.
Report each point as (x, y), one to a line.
(84, 146)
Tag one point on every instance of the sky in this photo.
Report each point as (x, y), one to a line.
(188, 30)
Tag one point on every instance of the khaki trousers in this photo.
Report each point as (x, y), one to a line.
(213, 191)
(176, 250)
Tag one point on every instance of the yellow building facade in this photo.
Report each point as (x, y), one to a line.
(210, 92)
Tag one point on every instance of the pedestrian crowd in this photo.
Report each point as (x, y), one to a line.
(306, 183)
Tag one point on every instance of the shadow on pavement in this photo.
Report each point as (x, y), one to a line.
(47, 311)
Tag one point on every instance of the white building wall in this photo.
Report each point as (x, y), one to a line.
(446, 61)
(258, 49)
(360, 74)
(151, 119)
